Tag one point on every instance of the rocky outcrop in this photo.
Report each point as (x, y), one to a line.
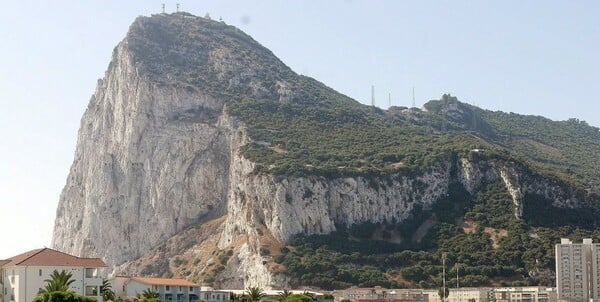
(159, 172)
(146, 166)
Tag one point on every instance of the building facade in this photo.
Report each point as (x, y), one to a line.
(577, 270)
(169, 289)
(524, 294)
(22, 276)
(465, 294)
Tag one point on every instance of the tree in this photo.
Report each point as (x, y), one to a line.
(284, 294)
(57, 289)
(58, 282)
(255, 294)
(299, 298)
(106, 290)
(443, 293)
(235, 297)
(149, 295)
(62, 296)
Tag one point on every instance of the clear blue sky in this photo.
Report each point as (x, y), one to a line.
(530, 57)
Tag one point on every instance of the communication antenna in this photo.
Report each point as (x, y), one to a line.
(163, 8)
(372, 95)
(389, 100)
(177, 7)
(413, 103)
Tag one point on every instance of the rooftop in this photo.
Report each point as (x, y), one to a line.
(50, 257)
(164, 281)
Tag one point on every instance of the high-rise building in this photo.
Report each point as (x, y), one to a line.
(578, 270)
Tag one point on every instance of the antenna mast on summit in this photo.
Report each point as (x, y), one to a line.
(163, 8)
(372, 95)
(413, 103)
(389, 100)
(177, 7)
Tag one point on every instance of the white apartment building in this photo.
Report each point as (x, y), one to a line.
(524, 294)
(577, 270)
(22, 276)
(464, 294)
(169, 289)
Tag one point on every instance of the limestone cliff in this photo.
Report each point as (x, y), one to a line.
(160, 183)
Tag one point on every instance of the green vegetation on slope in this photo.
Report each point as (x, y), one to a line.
(301, 127)
(498, 250)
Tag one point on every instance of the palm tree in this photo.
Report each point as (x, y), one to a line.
(309, 295)
(235, 297)
(283, 295)
(149, 293)
(106, 290)
(58, 282)
(255, 294)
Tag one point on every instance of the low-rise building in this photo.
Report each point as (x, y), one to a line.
(273, 294)
(365, 293)
(525, 294)
(465, 294)
(169, 289)
(417, 295)
(22, 276)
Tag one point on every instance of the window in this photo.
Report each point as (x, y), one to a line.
(91, 291)
(91, 272)
(167, 287)
(191, 289)
(181, 288)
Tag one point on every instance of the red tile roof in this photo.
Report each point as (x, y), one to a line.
(50, 257)
(164, 281)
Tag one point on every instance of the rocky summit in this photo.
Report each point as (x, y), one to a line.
(201, 155)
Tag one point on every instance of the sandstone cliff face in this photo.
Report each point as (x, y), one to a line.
(159, 173)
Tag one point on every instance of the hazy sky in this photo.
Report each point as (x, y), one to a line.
(530, 57)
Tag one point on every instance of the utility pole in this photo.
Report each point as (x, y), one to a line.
(457, 285)
(444, 276)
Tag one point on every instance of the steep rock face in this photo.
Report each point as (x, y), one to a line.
(146, 166)
(314, 205)
(159, 171)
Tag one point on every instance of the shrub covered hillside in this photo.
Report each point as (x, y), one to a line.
(328, 134)
(479, 234)
(332, 136)
(300, 127)
(324, 133)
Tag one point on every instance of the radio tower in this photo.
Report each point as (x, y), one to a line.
(413, 104)
(389, 100)
(163, 8)
(177, 7)
(373, 95)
